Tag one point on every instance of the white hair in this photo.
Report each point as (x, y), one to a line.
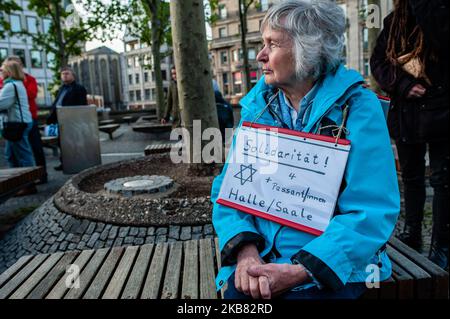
(317, 29)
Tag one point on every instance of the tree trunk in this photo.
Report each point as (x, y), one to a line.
(243, 19)
(372, 40)
(195, 90)
(62, 58)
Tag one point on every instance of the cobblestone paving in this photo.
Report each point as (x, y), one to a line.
(47, 230)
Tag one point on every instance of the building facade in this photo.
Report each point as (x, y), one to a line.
(36, 62)
(99, 71)
(225, 45)
(138, 76)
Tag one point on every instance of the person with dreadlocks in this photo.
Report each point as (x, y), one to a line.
(410, 63)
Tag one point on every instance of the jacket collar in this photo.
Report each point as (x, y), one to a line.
(334, 87)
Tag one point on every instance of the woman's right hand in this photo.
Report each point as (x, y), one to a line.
(249, 256)
(416, 92)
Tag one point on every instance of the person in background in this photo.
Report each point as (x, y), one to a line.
(410, 63)
(13, 99)
(35, 135)
(173, 112)
(69, 94)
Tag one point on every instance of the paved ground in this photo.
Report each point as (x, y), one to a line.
(32, 225)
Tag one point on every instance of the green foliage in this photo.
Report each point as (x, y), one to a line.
(68, 32)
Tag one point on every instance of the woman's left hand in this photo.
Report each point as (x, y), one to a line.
(281, 277)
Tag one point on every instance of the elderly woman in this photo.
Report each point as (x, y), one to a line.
(13, 99)
(305, 88)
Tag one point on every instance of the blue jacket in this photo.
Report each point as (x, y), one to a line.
(368, 204)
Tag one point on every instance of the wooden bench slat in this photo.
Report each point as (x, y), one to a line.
(11, 271)
(440, 276)
(120, 275)
(87, 274)
(137, 276)
(33, 280)
(422, 280)
(405, 283)
(154, 276)
(207, 273)
(172, 277)
(189, 288)
(53, 276)
(388, 289)
(20, 277)
(219, 265)
(61, 288)
(101, 279)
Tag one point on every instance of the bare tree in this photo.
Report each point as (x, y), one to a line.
(244, 5)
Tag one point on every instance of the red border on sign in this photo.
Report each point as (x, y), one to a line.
(318, 137)
(272, 218)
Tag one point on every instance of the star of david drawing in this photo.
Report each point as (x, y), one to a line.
(247, 170)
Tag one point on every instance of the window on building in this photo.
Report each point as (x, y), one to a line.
(21, 54)
(136, 61)
(264, 5)
(237, 83)
(365, 35)
(138, 95)
(130, 79)
(251, 54)
(366, 67)
(46, 23)
(222, 11)
(234, 56)
(16, 25)
(36, 59)
(32, 25)
(130, 62)
(164, 75)
(3, 54)
(131, 96)
(226, 84)
(223, 57)
(253, 78)
(153, 76)
(147, 94)
(145, 77)
(238, 55)
(40, 98)
(51, 60)
(153, 94)
(222, 32)
(136, 78)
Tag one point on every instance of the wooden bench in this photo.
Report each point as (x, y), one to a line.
(14, 179)
(166, 270)
(161, 148)
(178, 270)
(106, 122)
(413, 276)
(109, 129)
(127, 119)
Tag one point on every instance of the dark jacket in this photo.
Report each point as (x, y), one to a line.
(426, 118)
(224, 113)
(76, 95)
(173, 105)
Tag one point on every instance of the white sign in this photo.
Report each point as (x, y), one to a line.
(286, 176)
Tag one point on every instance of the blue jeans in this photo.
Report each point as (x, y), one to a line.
(349, 291)
(20, 154)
